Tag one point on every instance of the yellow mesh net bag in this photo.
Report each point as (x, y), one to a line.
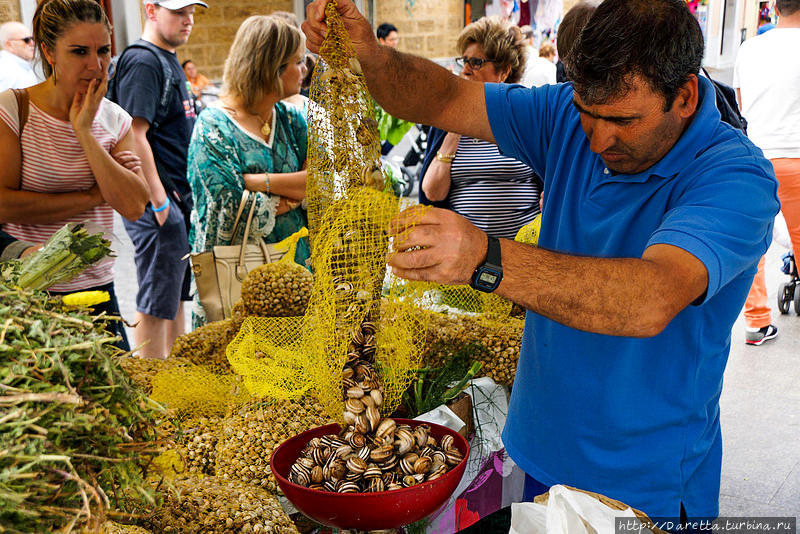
(460, 318)
(350, 204)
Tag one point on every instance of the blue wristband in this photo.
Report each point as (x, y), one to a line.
(161, 207)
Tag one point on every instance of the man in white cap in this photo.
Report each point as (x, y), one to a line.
(151, 85)
(16, 66)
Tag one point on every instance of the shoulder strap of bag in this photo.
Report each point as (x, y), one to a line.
(242, 205)
(166, 89)
(241, 268)
(725, 97)
(23, 107)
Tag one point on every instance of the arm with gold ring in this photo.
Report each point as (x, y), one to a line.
(123, 189)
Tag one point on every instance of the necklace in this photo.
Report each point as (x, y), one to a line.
(266, 127)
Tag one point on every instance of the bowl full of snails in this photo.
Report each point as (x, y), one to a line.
(397, 472)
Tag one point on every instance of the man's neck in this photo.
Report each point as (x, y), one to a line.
(789, 21)
(151, 36)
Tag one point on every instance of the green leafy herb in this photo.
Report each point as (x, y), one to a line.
(67, 253)
(432, 386)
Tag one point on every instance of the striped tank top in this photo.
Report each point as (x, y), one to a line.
(54, 162)
(496, 193)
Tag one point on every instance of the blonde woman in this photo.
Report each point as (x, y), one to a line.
(251, 140)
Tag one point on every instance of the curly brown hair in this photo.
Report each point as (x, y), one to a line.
(502, 42)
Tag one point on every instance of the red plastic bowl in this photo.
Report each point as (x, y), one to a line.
(366, 511)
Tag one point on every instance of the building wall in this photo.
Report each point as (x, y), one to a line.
(746, 18)
(428, 29)
(568, 4)
(215, 28)
(9, 10)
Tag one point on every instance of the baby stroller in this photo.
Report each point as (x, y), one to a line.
(789, 292)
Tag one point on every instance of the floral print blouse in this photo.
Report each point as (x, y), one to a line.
(220, 153)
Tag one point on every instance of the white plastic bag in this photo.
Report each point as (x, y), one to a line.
(570, 512)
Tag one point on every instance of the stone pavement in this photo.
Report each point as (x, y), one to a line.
(760, 414)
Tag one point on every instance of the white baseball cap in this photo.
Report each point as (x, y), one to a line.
(172, 5)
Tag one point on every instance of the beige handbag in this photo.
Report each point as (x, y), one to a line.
(218, 273)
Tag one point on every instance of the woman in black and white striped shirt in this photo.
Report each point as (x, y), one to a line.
(496, 193)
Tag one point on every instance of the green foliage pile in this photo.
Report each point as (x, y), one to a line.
(73, 427)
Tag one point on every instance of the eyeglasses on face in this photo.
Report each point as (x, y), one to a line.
(26, 40)
(474, 62)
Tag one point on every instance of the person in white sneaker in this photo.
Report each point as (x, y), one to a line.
(766, 78)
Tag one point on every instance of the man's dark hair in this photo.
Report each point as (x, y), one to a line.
(659, 40)
(571, 25)
(788, 7)
(385, 29)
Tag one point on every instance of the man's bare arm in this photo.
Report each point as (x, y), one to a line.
(635, 297)
(406, 86)
(158, 195)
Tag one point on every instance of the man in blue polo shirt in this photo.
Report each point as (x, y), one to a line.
(655, 217)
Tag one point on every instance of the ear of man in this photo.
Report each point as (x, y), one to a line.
(150, 11)
(685, 103)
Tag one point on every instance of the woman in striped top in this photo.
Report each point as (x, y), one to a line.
(66, 162)
(496, 193)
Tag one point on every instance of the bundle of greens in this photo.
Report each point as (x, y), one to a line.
(68, 252)
(74, 431)
(435, 386)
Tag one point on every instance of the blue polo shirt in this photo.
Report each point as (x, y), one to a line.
(634, 419)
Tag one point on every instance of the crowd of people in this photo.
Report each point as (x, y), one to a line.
(648, 201)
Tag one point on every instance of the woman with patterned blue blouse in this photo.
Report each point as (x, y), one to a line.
(251, 140)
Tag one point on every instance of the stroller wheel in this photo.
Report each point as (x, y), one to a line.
(797, 299)
(785, 295)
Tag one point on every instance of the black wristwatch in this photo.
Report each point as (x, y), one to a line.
(487, 275)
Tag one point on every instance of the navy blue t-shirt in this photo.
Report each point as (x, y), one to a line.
(139, 85)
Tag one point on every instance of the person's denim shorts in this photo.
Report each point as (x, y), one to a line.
(164, 277)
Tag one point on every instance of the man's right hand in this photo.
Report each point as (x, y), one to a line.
(363, 38)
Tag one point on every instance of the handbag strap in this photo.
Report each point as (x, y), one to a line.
(242, 205)
(241, 269)
(23, 107)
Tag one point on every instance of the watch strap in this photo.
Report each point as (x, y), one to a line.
(493, 254)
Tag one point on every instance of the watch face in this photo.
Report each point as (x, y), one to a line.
(488, 278)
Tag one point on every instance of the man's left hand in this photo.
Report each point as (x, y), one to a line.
(435, 245)
(361, 34)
